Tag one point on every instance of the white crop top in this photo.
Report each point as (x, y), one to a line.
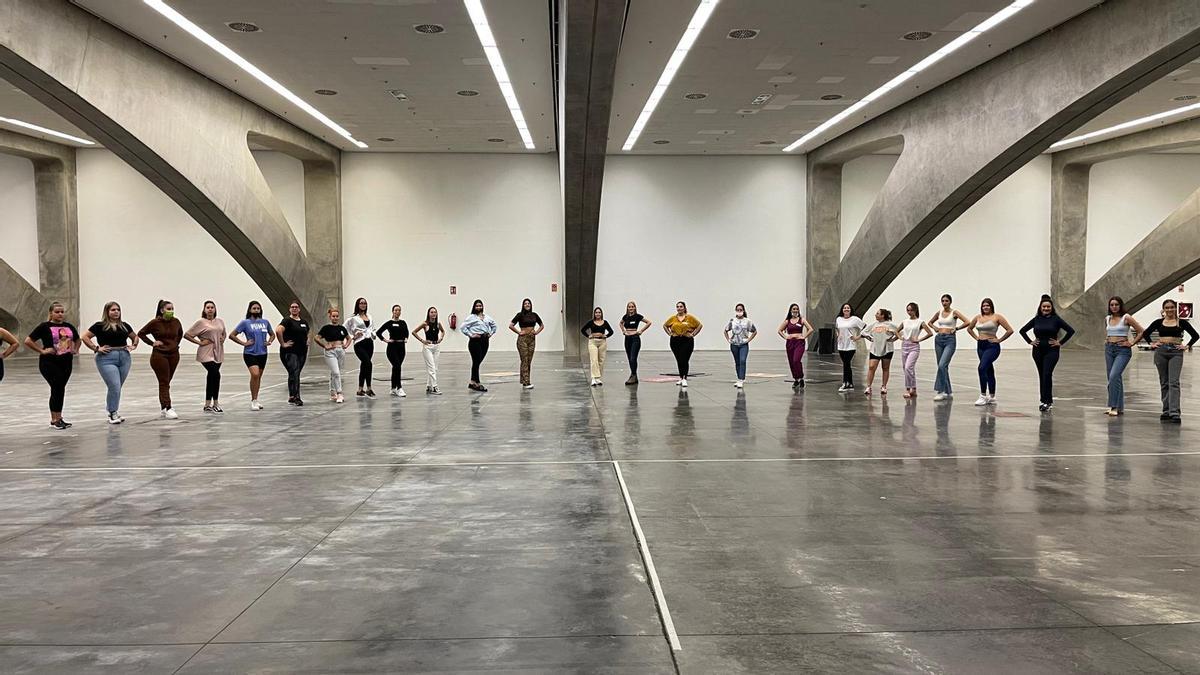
(1120, 330)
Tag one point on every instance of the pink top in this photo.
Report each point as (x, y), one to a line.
(214, 332)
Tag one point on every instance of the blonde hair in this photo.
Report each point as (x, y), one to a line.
(106, 322)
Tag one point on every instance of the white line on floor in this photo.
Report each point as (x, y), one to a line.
(655, 584)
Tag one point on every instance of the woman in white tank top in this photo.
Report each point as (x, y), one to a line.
(985, 328)
(946, 323)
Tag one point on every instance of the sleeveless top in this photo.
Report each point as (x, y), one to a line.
(987, 328)
(1120, 330)
(797, 327)
(947, 321)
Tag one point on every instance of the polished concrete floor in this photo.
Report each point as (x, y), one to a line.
(491, 532)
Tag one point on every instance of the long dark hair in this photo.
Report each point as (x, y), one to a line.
(206, 304)
(360, 301)
(745, 314)
(989, 303)
(429, 317)
(597, 309)
(844, 306)
(1046, 298)
(799, 316)
(1120, 304)
(248, 306)
(887, 314)
(477, 302)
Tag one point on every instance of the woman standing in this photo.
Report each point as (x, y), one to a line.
(946, 322)
(293, 349)
(597, 331)
(209, 335)
(913, 331)
(56, 342)
(7, 338)
(163, 333)
(1047, 327)
(1118, 349)
(849, 332)
(632, 327)
(479, 329)
(334, 338)
(359, 327)
(258, 336)
(739, 332)
(526, 324)
(394, 333)
(984, 328)
(795, 330)
(1168, 355)
(114, 339)
(881, 333)
(683, 329)
(430, 334)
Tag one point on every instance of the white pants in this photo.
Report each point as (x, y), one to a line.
(336, 360)
(430, 352)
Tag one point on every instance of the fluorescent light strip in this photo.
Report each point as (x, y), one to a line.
(953, 46)
(699, 18)
(217, 46)
(44, 130)
(488, 41)
(1195, 107)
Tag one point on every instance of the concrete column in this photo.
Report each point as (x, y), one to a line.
(323, 230)
(1068, 229)
(824, 234)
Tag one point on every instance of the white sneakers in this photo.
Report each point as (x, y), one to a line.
(527, 386)
(683, 382)
(115, 418)
(985, 399)
(399, 392)
(169, 414)
(738, 384)
(846, 386)
(338, 398)
(255, 405)
(940, 396)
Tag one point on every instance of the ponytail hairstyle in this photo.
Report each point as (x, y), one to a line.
(158, 312)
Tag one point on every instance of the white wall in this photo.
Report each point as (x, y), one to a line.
(1127, 199)
(491, 225)
(136, 246)
(999, 248)
(712, 231)
(285, 175)
(18, 224)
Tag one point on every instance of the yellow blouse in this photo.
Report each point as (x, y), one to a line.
(682, 326)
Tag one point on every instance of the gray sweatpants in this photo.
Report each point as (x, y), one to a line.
(1170, 364)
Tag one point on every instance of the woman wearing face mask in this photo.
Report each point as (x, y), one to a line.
(597, 331)
(254, 334)
(1047, 327)
(430, 334)
(361, 336)
(849, 332)
(164, 333)
(739, 332)
(334, 338)
(882, 334)
(292, 333)
(913, 331)
(946, 323)
(795, 330)
(984, 328)
(683, 329)
(1168, 356)
(209, 335)
(632, 327)
(7, 338)
(526, 324)
(1118, 349)
(479, 329)
(113, 340)
(57, 343)
(394, 333)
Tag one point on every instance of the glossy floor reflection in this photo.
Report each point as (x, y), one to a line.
(791, 531)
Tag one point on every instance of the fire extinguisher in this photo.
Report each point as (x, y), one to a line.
(453, 321)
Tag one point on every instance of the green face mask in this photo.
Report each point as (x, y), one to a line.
(169, 314)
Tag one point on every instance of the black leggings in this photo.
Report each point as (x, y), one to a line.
(293, 363)
(1, 370)
(212, 383)
(395, 354)
(682, 347)
(478, 347)
(1046, 358)
(633, 345)
(847, 369)
(364, 350)
(56, 370)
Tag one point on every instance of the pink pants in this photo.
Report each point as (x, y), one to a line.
(911, 351)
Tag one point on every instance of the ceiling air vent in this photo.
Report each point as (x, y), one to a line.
(743, 33)
(918, 35)
(429, 28)
(243, 26)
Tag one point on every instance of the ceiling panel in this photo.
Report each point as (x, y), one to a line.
(16, 104)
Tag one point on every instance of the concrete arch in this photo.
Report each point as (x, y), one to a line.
(183, 132)
(968, 135)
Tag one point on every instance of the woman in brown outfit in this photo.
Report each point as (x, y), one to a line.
(164, 332)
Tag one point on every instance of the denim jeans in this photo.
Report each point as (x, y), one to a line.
(943, 349)
(740, 354)
(988, 353)
(1116, 358)
(114, 368)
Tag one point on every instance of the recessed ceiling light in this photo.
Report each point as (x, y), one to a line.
(398, 95)
(831, 97)
(695, 96)
(767, 142)
(44, 130)
(917, 35)
(495, 140)
(429, 28)
(216, 45)
(1195, 107)
(1185, 97)
(761, 99)
(953, 46)
(243, 26)
(325, 92)
(661, 142)
(467, 92)
(385, 139)
(492, 51)
(700, 17)
(743, 33)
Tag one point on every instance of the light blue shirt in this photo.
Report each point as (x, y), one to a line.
(475, 326)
